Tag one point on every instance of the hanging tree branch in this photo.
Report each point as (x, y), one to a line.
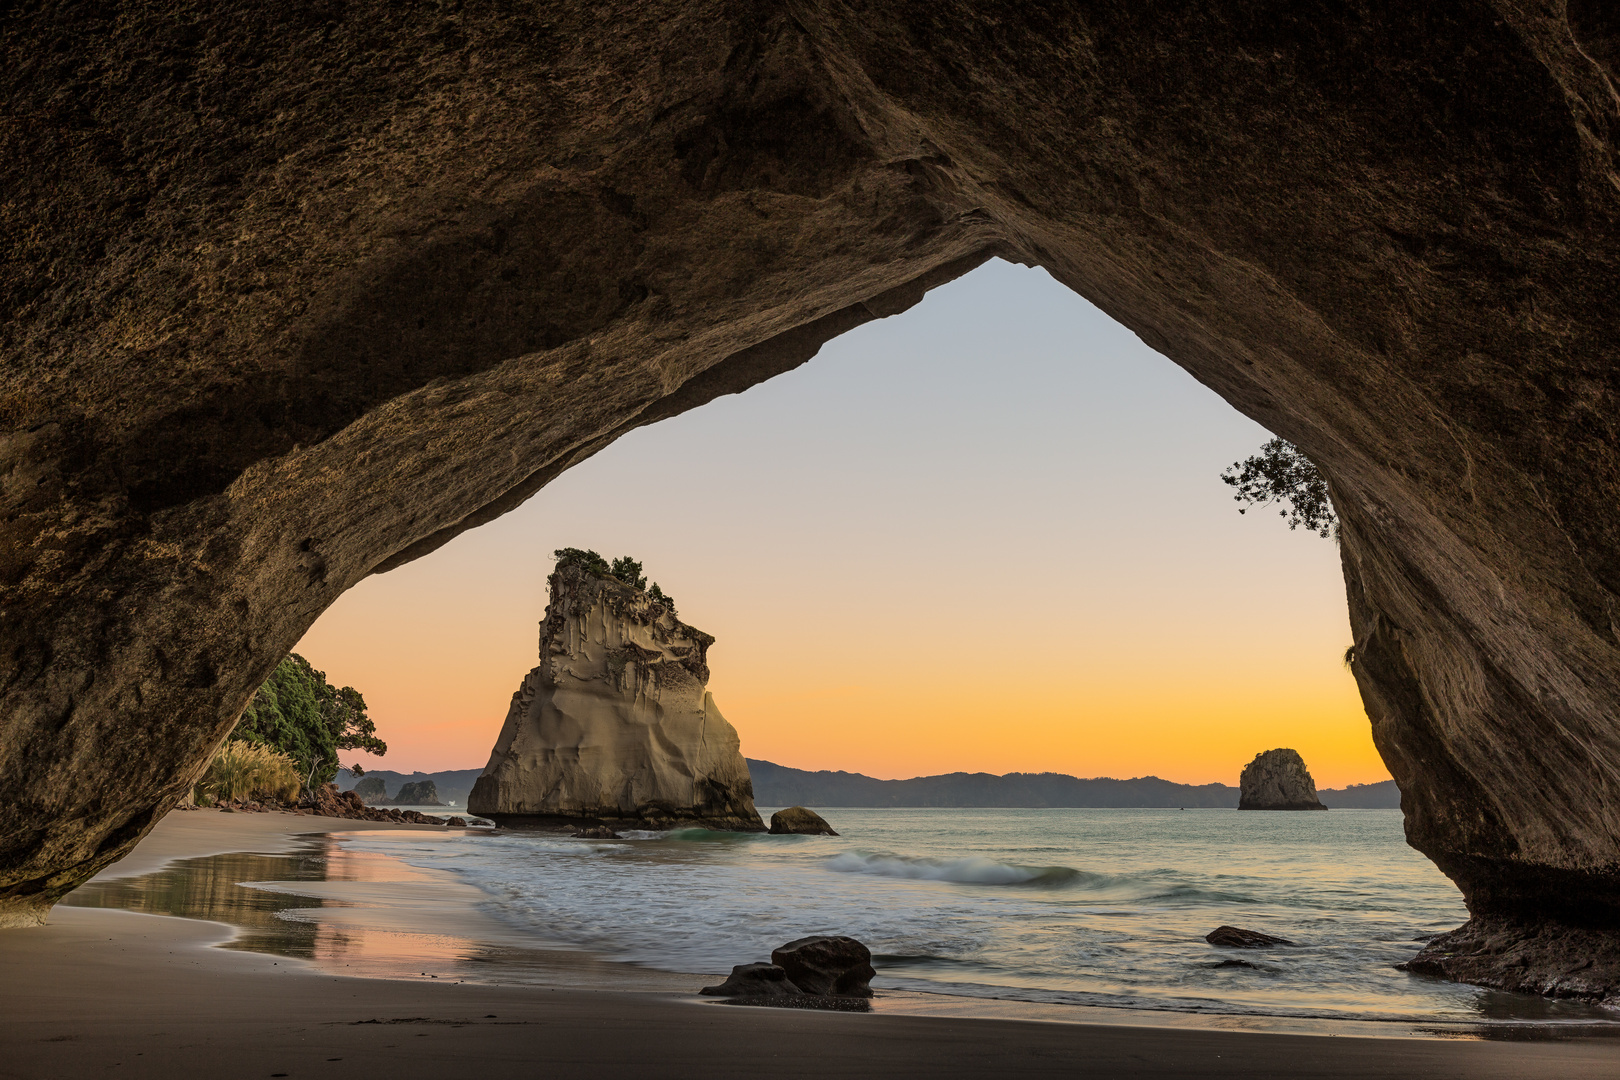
(1281, 474)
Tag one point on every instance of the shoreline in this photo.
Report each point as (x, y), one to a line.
(151, 994)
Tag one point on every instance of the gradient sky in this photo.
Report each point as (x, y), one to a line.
(987, 534)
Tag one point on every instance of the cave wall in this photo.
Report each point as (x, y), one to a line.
(295, 293)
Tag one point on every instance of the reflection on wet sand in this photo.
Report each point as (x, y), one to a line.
(362, 914)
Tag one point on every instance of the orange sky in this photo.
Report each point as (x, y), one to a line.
(987, 534)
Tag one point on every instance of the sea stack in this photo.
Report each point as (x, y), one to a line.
(1278, 780)
(614, 727)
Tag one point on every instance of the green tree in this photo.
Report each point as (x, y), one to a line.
(1281, 474)
(628, 571)
(655, 593)
(585, 559)
(624, 569)
(302, 715)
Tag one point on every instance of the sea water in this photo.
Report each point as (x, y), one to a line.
(1102, 907)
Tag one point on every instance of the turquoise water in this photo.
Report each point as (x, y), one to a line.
(1093, 907)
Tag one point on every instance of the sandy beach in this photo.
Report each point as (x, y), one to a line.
(110, 992)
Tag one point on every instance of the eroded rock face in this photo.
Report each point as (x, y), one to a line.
(293, 295)
(1277, 780)
(614, 725)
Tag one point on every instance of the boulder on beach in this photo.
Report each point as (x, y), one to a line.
(596, 832)
(1232, 937)
(796, 820)
(823, 965)
(754, 980)
(1278, 780)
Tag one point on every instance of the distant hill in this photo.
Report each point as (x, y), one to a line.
(453, 786)
(778, 785)
(1383, 795)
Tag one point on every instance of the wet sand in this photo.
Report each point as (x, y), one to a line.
(111, 992)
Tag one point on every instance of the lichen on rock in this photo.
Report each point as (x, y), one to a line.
(614, 726)
(1278, 780)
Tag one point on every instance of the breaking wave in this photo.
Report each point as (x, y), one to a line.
(966, 871)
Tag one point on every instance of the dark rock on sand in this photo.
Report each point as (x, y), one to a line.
(798, 820)
(1232, 937)
(838, 966)
(754, 980)
(597, 832)
(1278, 780)
(455, 822)
(1526, 957)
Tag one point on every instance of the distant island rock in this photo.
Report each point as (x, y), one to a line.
(614, 726)
(371, 789)
(796, 820)
(453, 785)
(1277, 780)
(419, 793)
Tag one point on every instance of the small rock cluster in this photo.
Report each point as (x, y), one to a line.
(328, 801)
(812, 972)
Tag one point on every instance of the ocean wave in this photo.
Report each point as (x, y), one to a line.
(972, 870)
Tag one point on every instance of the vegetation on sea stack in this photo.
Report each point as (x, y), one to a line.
(300, 714)
(623, 569)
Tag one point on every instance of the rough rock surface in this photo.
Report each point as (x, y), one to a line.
(1277, 780)
(416, 793)
(754, 980)
(328, 801)
(827, 965)
(371, 790)
(1232, 937)
(293, 294)
(614, 726)
(796, 819)
(1540, 957)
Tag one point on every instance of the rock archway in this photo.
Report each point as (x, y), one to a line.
(295, 293)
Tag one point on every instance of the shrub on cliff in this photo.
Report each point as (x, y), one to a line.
(246, 770)
(305, 717)
(1281, 474)
(624, 569)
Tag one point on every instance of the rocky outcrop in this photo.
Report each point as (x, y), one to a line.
(1528, 957)
(614, 726)
(289, 300)
(798, 820)
(1277, 780)
(416, 793)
